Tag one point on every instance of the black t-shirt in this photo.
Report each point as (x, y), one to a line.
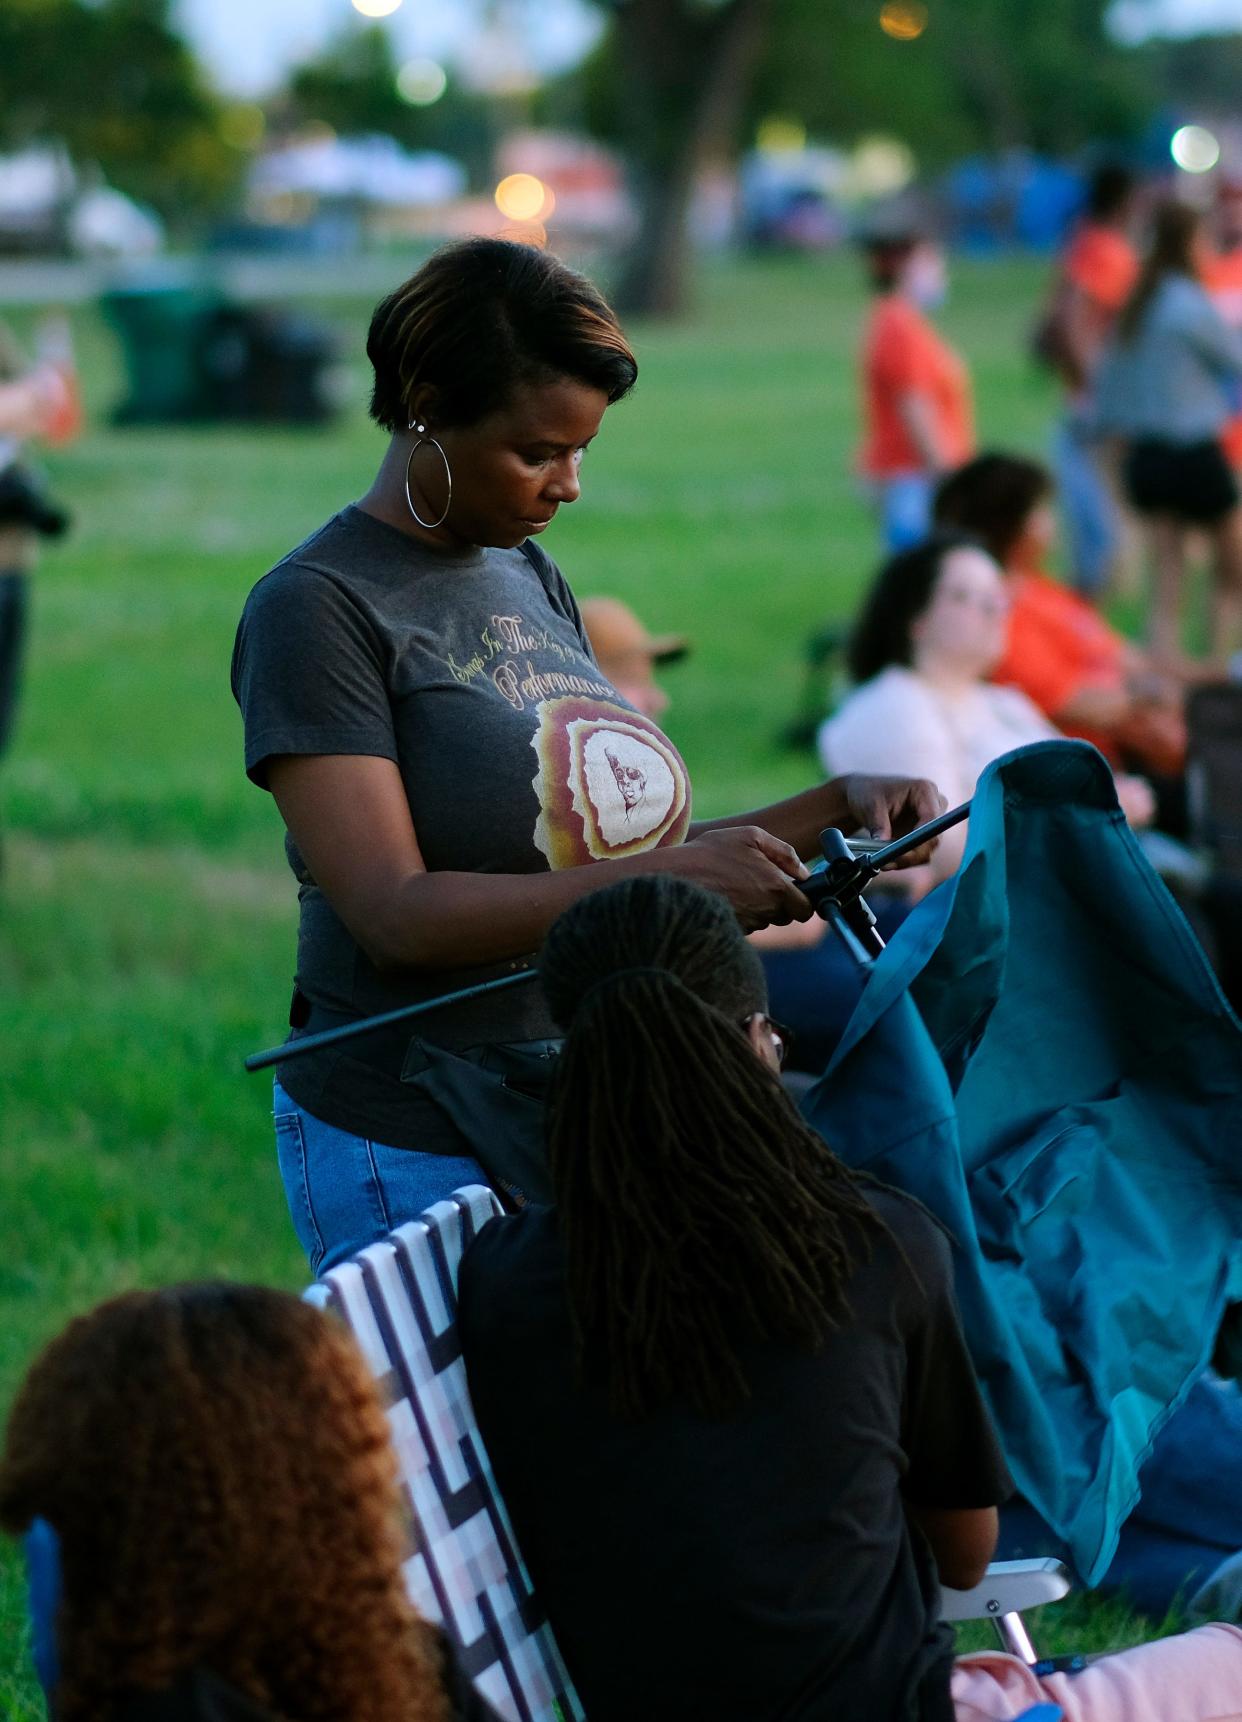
(755, 1568)
(472, 672)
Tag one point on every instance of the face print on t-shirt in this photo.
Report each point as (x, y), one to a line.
(631, 781)
(609, 783)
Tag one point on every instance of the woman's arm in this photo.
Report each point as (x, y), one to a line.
(28, 404)
(1218, 345)
(918, 415)
(884, 807)
(963, 1540)
(350, 819)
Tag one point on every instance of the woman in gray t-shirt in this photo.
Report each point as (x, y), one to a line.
(452, 766)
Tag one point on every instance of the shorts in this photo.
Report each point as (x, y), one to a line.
(1191, 481)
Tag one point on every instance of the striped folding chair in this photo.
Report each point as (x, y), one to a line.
(464, 1571)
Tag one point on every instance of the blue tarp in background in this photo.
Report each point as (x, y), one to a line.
(1043, 1056)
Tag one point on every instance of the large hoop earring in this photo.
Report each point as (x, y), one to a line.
(427, 525)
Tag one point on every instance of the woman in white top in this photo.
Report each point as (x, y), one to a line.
(931, 630)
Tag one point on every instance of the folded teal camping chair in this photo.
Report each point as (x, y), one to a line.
(1043, 1056)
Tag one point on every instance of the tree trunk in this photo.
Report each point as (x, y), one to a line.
(686, 71)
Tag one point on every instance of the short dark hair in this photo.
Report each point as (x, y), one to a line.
(992, 497)
(901, 592)
(1109, 189)
(481, 317)
(887, 255)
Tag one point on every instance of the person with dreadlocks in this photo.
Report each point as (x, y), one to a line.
(452, 764)
(723, 1381)
(677, 1368)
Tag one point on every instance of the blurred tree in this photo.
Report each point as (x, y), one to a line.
(1197, 75)
(679, 72)
(674, 82)
(1037, 74)
(116, 84)
(352, 86)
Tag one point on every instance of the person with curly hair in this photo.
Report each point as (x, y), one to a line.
(204, 1475)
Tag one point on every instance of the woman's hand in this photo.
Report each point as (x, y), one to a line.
(1137, 799)
(757, 872)
(886, 808)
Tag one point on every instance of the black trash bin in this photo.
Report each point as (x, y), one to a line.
(266, 364)
(191, 354)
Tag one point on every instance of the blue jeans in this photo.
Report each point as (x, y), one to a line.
(1088, 507)
(905, 509)
(44, 1589)
(345, 1191)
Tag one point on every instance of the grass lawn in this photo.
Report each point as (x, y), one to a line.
(146, 914)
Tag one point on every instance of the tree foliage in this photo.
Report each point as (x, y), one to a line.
(1039, 74)
(116, 84)
(675, 80)
(352, 86)
(1198, 76)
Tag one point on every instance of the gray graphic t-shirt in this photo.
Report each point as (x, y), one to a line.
(472, 673)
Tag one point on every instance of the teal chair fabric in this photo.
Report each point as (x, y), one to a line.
(1043, 1056)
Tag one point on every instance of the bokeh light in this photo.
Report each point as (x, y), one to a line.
(421, 82)
(1194, 149)
(882, 166)
(243, 126)
(903, 20)
(780, 136)
(522, 197)
(375, 8)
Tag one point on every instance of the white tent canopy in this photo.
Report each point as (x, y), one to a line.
(368, 169)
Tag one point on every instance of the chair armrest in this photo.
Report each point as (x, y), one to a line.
(1008, 1587)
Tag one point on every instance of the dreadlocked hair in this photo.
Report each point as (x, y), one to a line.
(695, 1206)
(217, 1466)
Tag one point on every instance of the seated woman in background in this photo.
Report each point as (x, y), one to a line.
(1081, 673)
(210, 1494)
(723, 1382)
(930, 633)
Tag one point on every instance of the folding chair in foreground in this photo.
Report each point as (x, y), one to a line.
(465, 1572)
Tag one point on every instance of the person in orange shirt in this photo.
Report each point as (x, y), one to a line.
(917, 408)
(1089, 679)
(1095, 277)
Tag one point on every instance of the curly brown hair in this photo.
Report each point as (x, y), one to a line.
(217, 1465)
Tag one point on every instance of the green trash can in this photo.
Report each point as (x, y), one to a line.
(161, 326)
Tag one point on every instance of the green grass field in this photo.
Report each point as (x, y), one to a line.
(146, 914)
